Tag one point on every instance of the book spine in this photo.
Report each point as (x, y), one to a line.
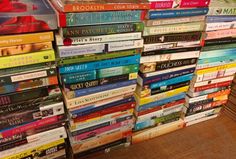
(159, 113)
(110, 117)
(102, 140)
(171, 45)
(214, 81)
(101, 30)
(100, 82)
(105, 7)
(115, 71)
(67, 51)
(166, 57)
(210, 86)
(102, 130)
(17, 87)
(27, 59)
(214, 19)
(160, 96)
(164, 65)
(97, 39)
(217, 53)
(11, 40)
(27, 116)
(159, 120)
(167, 71)
(157, 131)
(36, 47)
(208, 96)
(171, 29)
(161, 102)
(78, 77)
(100, 102)
(180, 4)
(216, 64)
(215, 69)
(224, 11)
(27, 76)
(168, 21)
(97, 57)
(191, 36)
(172, 81)
(177, 13)
(210, 35)
(208, 91)
(220, 26)
(29, 126)
(171, 51)
(93, 109)
(130, 60)
(99, 96)
(168, 105)
(38, 145)
(98, 18)
(101, 125)
(24, 95)
(87, 91)
(145, 81)
(108, 111)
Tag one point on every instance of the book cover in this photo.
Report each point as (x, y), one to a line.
(23, 16)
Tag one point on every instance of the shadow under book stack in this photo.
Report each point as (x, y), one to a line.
(32, 115)
(230, 107)
(216, 66)
(99, 46)
(172, 43)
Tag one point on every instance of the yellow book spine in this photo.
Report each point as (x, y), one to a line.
(214, 69)
(27, 59)
(33, 151)
(159, 96)
(11, 40)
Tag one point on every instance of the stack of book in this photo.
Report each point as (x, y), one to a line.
(172, 43)
(99, 46)
(230, 107)
(216, 66)
(31, 108)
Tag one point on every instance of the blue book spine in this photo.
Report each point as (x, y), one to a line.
(95, 18)
(177, 13)
(217, 59)
(217, 53)
(167, 76)
(144, 124)
(79, 77)
(215, 19)
(83, 92)
(129, 60)
(161, 102)
(91, 109)
(172, 81)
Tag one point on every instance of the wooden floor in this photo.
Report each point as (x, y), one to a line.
(213, 139)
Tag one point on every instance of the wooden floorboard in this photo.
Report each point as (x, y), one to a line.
(213, 139)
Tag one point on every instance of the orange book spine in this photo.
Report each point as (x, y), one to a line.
(11, 40)
(104, 7)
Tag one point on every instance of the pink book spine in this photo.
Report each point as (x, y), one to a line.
(194, 3)
(162, 4)
(29, 126)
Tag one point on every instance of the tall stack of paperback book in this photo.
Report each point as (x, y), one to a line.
(31, 106)
(99, 46)
(216, 66)
(172, 43)
(230, 107)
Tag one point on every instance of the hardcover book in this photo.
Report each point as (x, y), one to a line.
(23, 16)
